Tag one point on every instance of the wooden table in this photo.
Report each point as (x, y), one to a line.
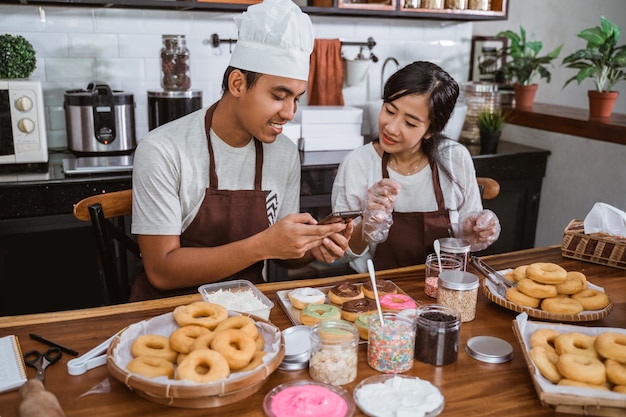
(470, 387)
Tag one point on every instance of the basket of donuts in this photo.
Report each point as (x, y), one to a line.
(198, 356)
(576, 369)
(598, 248)
(547, 291)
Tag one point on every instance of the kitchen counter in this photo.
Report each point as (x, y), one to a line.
(470, 387)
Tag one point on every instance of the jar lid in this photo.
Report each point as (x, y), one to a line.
(458, 280)
(297, 348)
(454, 245)
(489, 349)
(175, 94)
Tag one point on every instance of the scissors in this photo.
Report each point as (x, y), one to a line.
(40, 361)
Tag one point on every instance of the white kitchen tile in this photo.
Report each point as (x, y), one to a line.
(68, 20)
(120, 69)
(135, 45)
(73, 69)
(55, 118)
(93, 45)
(118, 20)
(17, 18)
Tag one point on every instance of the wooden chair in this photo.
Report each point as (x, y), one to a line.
(489, 188)
(107, 213)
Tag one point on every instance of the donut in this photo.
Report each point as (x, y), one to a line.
(153, 345)
(520, 272)
(510, 276)
(256, 361)
(203, 342)
(561, 305)
(341, 293)
(200, 313)
(351, 310)
(362, 324)
(620, 388)
(259, 341)
(611, 345)
(536, 289)
(581, 368)
(315, 313)
(397, 302)
(202, 366)
(592, 299)
(516, 297)
(301, 297)
(244, 323)
(383, 286)
(182, 338)
(151, 367)
(236, 346)
(574, 282)
(571, 383)
(546, 361)
(544, 338)
(615, 372)
(577, 344)
(546, 273)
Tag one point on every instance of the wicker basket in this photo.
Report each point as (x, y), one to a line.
(595, 248)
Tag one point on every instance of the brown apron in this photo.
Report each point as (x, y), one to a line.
(225, 216)
(412, 235)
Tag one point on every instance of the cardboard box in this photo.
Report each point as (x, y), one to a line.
(329, 115)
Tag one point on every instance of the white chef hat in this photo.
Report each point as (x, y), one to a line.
(276, 38)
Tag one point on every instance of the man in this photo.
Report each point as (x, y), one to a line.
(215, 192)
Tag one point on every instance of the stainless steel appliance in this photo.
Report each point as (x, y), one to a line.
(22, 124)
(100, 120)
(165, 106)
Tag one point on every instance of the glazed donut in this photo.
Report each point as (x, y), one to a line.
(244, 323)
(574, 282)
(544, 338)
(256, 361)
(546, 361)
(546, 273)
(397, 302)
(301, 297)
(581, 368)
(536, 289)
(520, 272)
(620, 388)
(182, 338)
(200, 313)
(513, 295)
(315, 313)
(577, 344)
(351, 310)
(561, 305)
(153, 345)
(611, 345)
(615, 372)
(592, 299)
(235, 345)
(202, 366)
(203, 342)
(341, 293)
(383, 286)
(151, 367)
(571, 383)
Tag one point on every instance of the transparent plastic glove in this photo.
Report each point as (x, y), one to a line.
(479, 228)
(377, 214)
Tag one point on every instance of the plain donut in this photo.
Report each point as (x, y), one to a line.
(592, 299)
(153, 345)
(182, 338)
(546, 361)
(243, 323)
(574, 282)
(151, 367)
(516, 297)
(561, 305)
(536, 289)
(611, 345)
(581, 368)
(236, 347)
(576, 343)
(202, 366)
(615, 372)
(544, 338)
(546, 273)
(200, 313)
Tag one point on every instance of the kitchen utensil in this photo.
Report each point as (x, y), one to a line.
(370, 268)
(502, 284)
(438, 252)
(40, 361)
(92, 359)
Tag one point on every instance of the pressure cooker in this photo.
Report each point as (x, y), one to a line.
(100, 121)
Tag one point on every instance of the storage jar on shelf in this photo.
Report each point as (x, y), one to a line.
(175, 63)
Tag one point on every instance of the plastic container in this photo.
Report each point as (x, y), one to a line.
(238, 295)
(308, 398)
(391, 347)
(431, 271)
(297, 348)
(456, 247)
(459, 290)
(175, 74)
(477, 96)
(437, 334)
(334, 352)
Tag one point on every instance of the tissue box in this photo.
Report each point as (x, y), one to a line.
(596, 248)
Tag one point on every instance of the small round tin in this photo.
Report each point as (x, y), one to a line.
(297, 348)
(489, 349)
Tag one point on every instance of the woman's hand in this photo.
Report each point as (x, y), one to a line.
(377, 215)
(479, 228)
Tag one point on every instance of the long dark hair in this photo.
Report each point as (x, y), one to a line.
(428, 79)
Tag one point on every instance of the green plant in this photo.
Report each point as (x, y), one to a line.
(524, 63)
(491, 120)
(600, 60)
(17, 57)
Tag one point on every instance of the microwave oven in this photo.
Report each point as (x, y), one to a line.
(22, 124)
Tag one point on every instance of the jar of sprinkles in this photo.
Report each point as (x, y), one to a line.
(459, 290)
(437, 334)
(334, 352)
(391, 345)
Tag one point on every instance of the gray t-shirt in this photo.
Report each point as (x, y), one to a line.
(171, 174)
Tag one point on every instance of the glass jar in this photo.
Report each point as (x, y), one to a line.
(391, 346)
(334, 352)
(437, 335)
(432, 4)
(459, 248)
(175, 63)
(479, 4)
(477, 96)
(456, 4)
(458, 290)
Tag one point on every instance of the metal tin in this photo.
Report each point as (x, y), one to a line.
(489, 349)
(457, 247)
(297, 348)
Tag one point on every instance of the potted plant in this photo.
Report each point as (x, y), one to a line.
(17, 57)
(602, 61)
(524, 64)
(490, 123)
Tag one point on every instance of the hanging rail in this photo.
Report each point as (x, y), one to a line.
(216, 41)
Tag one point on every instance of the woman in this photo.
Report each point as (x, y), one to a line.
(412, 177)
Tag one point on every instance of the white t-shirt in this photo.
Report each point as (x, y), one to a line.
(362, 168)
(171, 174)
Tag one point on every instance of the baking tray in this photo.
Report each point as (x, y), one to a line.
(572, 400)
(590, 315)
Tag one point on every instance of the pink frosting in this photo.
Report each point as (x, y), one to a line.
(308, 401)
(397, 302)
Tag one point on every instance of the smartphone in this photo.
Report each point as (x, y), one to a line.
(340, 216)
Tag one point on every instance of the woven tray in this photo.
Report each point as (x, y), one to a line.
(595, 248)
(189, 395)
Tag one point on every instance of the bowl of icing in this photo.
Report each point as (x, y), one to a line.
(308, 399)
